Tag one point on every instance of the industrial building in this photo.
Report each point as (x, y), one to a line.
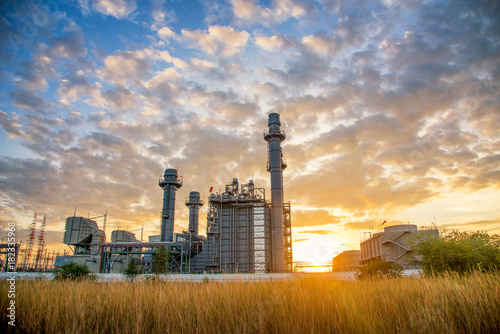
(394, 244)
(346, 261)
(245, 233)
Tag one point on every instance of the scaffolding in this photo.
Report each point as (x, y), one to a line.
(287, 225)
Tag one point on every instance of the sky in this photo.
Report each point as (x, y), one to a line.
(391, 111)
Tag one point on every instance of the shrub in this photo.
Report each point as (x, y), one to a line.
(72, 271)
(459, 252)
(379, 269)
(131, 271)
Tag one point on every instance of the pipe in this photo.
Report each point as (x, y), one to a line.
(276, 165)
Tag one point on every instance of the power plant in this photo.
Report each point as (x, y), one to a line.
(246, 233)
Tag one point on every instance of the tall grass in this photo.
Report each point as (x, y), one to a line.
(303, 305)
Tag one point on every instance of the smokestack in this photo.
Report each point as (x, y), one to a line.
(275, 166)
(194, 202)
(169, 183)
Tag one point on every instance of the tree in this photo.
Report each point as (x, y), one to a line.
(379, 269)
(460, 252)
(131, 271)
(72, 271)
(161, 257)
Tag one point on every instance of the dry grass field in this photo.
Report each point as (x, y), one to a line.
(310, 304)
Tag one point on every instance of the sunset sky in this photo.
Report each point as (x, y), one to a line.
(391, 110)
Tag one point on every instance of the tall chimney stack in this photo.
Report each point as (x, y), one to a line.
(275, 166)
(169, 183)
(194, 202)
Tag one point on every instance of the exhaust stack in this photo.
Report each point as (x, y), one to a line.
(276, 165)
(194, 203)
(169, 183)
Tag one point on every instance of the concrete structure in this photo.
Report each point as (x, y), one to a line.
(275, 165)
(170, 184)
(346, 261)
(394, 244)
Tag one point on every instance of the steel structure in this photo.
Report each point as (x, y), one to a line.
(30, 244)
(194, 203)
(239, 233)
(84, 235)
(274, 136)
(141, 253)
(41, 245)
(170, 183)
(287, 225)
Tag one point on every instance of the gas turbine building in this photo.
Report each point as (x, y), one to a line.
(245, 232)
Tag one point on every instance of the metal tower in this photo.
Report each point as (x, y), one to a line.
(194, 203)
(169, 183)
(31, 242)
(41, 245)
(276, 165)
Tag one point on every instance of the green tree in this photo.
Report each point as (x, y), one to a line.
(379, 269)
(460, 252)
(161, 259)
(131, 271)
(72, 271)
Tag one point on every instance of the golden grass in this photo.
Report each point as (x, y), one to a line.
(303, 305)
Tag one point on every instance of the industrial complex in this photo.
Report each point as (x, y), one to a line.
(246, 232)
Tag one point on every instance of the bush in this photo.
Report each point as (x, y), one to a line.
(459, 252)
(379, 269)
(161, 260)
(132, 271)
(73, 271)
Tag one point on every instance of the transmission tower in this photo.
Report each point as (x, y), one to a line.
(31, 242)
(41, 245)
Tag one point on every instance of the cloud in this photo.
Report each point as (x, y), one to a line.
(312, 217)
(68, 46)
(222, 41)
(127, 67)
(380, 115)
(281, 11)
(276, 43)
(28, 100)
(116, 8)
(322, 43)
(165, 33)
(11, 125)
(320, 232)
(75, 87)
